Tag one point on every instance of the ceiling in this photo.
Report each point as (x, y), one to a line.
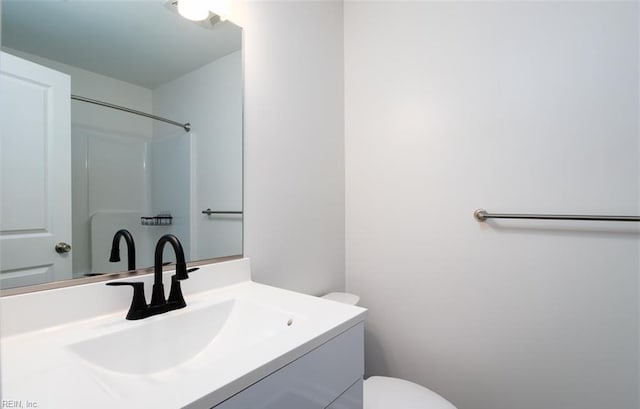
(142, 42)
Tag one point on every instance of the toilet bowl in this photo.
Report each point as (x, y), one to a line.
(381, 392)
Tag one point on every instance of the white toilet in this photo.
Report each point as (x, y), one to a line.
(381, 392)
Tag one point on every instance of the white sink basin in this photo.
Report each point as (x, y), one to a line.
(233, 333)
(165, 342)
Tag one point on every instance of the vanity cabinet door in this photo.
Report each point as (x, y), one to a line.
(351, 399)
(314, 381)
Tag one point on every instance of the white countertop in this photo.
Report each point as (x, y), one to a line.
(39, 365)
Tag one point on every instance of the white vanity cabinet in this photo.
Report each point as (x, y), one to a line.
(329, 376)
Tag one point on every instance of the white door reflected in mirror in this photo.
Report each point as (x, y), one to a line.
(35, 163)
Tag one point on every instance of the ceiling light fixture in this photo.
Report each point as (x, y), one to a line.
(195, 10)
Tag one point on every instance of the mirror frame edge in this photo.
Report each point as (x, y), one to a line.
(108, 276)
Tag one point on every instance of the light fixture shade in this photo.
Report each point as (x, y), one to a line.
(220, 7)
(195, 10)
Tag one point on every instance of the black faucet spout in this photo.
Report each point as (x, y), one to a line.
(157, 297)
(131, 248)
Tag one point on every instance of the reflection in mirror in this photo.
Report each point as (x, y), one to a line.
(73, 173)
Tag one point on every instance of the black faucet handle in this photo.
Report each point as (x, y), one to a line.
(138, 306)
(136, 284)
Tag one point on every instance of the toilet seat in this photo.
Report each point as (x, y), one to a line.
(381, 392)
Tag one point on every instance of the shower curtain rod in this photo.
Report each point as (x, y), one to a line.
(482, 215)
(186, 126)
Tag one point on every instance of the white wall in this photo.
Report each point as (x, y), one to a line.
(514, 107)
(294, 145)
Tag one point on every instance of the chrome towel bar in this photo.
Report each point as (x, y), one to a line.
(482, 215)
(209, 212)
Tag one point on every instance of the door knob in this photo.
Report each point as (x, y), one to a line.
(63, 247)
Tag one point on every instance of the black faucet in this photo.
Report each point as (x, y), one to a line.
(175, 294)
(139, 308)
(131, 248)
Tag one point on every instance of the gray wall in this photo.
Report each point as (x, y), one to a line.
(449, 107)
(294, 143)
(515, 107)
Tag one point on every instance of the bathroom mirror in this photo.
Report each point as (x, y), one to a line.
(116, 169)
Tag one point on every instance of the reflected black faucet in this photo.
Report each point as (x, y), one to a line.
(131, 248)
(139, 308)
